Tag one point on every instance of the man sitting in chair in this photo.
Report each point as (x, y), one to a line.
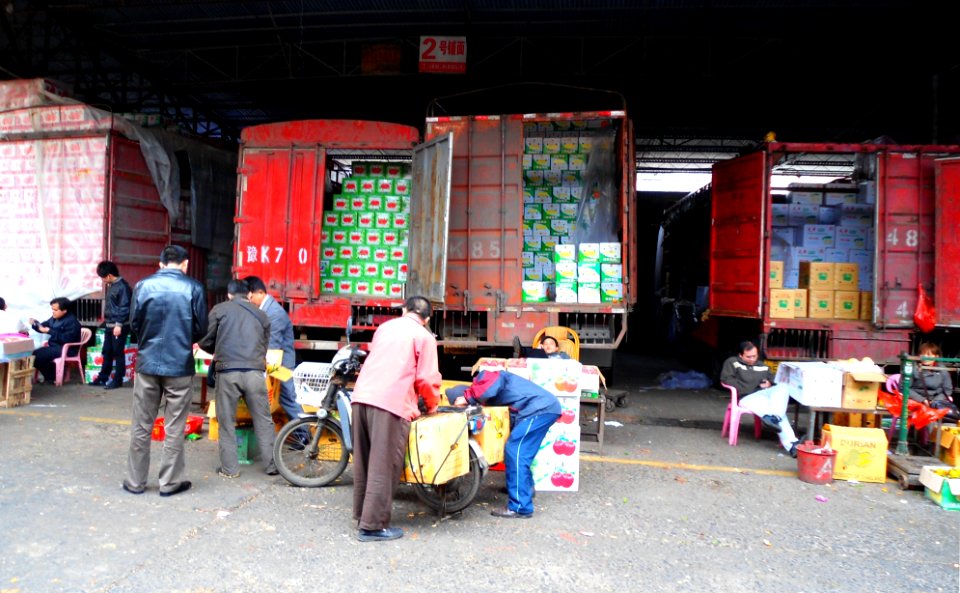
(63, 327)
(758, 394)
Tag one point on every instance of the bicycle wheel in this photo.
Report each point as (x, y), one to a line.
(455, 495)
(310, 452)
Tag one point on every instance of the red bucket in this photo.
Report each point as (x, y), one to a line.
(815, 463)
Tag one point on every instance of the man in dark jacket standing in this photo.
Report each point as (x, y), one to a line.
(535, 409)
(116, 314)
(63, 327)
(168, 314)
(238, 337)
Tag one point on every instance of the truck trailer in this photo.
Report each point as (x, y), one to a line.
(80, 185)
(832, 269)
(343, 218)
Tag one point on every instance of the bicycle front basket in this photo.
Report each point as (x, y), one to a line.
(310, 380)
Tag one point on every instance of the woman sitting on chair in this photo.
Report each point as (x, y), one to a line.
(933, 387)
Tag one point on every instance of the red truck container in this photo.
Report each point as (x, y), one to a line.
(889, 223)
(76, 190)
(465, 242)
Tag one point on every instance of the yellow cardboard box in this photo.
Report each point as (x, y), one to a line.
(816, 275)
(866, 305)
(846, 304)
(950, 445)
(437, 450)
(860, 389)
(820, 304)
(846, 276)
(781, 303)
(799, 302)
(496, 429)
(861, 452)
(776, 274)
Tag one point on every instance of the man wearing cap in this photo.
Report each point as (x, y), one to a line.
(535, 409)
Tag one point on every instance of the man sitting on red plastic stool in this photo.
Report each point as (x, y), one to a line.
(758, 394)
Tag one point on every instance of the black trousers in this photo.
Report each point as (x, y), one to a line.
(379, 446)
(113, 356)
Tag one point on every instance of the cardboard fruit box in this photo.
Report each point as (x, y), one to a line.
(943, 490)
(15, 345)
(861, 452)
(437, 450)
(950, 446)
(493, 436)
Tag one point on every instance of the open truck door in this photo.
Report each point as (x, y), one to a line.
(738, 227)
(430, 219)
(947, 250)
(278, 221)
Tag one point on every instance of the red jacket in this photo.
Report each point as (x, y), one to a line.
(402, 365)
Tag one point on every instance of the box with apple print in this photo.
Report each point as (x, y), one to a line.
(557, 465)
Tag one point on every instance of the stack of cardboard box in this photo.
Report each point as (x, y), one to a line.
(363, 247)
(821, 254)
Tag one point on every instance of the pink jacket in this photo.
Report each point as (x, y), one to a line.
(402, 365)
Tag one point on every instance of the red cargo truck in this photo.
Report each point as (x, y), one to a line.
(848, 253)
(464, 240)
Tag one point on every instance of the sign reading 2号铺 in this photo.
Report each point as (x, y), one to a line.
(445, 55)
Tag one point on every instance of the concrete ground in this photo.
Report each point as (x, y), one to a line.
(669, 506)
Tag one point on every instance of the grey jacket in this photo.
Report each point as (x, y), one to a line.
(168, 314)
(238, 336)
(281, 330)
(930, 385)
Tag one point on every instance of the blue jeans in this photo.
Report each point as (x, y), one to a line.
(522, 446)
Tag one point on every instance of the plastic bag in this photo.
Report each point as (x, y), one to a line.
(918, 415)
(683, 380)
(925, 317)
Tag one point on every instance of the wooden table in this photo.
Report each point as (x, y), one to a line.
(815, 410)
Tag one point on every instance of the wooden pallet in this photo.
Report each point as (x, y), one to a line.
(16, 379)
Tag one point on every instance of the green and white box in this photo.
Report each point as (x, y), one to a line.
(388, 271)
(401, 220)
(331, 219)
(611, 272)
(398, 254)
(328, 252)
(559, 162)
(346, 252)
(533, 273)
(368, 185)
(383, 220)
(402, 187)
(374, 237)
(559, 227)
(533, 144)
(549, 272)
(611, 292)
(378, 288)
(566, 271)
(354, 270)
(533, 177)
(351, 185)
(339, 236)
(535, 292)
(561, 193)
(568, 211)
(348, 219)
(532, 243)
(527, 194)
(345, 286)
(341, 203)
(588, 252)
(588, 292)
(337, 269)
(588, 272)
(526, 162)
(541, 162)
(393, 171)
(577, 162)
(375, 203)
(361, 286)
(365, 220)
(551, 145)
(392, 203)
(371, 269)
(569, 145)
(550, 210)
(526, 259)
(548, 243)
(552, 177)
(385, 186)
(390, 237)
(610, 253)
(356, 236)
(376, 170)
(567, 292)
(363, 252)
(565, 253)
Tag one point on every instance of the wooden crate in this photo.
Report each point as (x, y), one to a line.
(16, 379)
